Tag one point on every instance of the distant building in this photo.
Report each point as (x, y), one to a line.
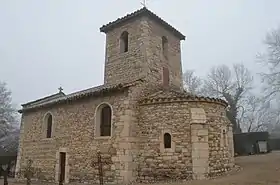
(249, 143)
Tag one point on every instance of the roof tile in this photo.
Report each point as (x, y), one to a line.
(174, 95)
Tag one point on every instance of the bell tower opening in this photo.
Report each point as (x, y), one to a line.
(124, 42)
(139, 46)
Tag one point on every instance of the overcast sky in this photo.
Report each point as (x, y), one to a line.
(52, 43)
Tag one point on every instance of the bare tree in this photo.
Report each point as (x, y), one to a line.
(192, 83)
(231, 85)
(271, 59)
(257, 115)
(9, 143)
(7, 111)
(8, 131)
(271, 77)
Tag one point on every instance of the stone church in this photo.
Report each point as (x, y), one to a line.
(145, 126)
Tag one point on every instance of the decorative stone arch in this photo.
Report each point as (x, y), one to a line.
(124, 42)
(166, 134)
(48, 125)
(103, 122)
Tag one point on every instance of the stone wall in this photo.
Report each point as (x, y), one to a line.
(200, 143)
(136, 149)
(220, 156)
(156, 60)
(119, 66)
(73, 132)
(156, 162)
(197, 152)
(144, 58)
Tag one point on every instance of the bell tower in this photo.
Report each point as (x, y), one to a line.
(142, 45)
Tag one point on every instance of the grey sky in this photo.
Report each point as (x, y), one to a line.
(52, 43)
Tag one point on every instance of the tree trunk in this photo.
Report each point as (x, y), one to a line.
(5, 174)
(231, 114)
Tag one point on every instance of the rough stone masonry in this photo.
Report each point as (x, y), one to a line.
(146, 127)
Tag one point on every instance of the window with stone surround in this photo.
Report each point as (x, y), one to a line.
(164, 45)
(167, 140)
(124, 42)
(49, 124)
(103, 121)
(165, 76)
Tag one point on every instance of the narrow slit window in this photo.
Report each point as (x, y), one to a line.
(224, 138)
(164, 46)
(124, 42)
(49, 126)
(167, 140)
(165, 76)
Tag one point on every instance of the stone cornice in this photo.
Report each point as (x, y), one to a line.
(188, 98)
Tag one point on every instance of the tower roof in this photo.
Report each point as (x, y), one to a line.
(139, 13)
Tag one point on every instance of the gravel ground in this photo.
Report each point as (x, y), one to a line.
(255, 170)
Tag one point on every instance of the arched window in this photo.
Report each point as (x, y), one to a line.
(164, 43)
(49, 122)
(105, 125)
(165, 76)
(124, 42)
(103, 120)
(167, 140)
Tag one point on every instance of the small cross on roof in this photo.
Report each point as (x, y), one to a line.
(144, 3)
(60, 89)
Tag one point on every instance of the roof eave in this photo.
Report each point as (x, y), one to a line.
(40, 99)
(116, 88)
(142, 12)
